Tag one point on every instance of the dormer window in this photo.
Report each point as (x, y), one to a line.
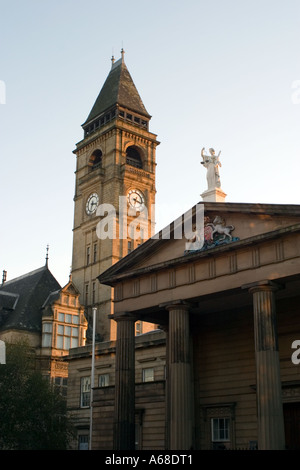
(95, 160)
(133, 157)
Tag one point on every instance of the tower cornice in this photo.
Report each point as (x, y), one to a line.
(117, 125)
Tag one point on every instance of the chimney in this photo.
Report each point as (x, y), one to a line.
(4, 276)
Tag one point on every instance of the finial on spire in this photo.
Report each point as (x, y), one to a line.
(47, 255)
(122, 54)
(112, 57)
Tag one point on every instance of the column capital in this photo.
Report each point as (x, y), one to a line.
(176, 304)
(265, 285)
(122, 316)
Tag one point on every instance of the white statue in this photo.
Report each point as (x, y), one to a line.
(211, 163)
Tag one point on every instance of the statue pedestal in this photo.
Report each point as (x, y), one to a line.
(214, 195)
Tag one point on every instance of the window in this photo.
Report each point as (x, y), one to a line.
(95, 160)
(67, 337)
(138, 328)
(47, 335)
(85, 392)
(148, 375)
(220, 432)
(218, 426)
(88, 255)
(86, 294)
(61, 384)
(133, 157)
(94, 293)
(68, 318)
(83, 442)
(103, 380)
(129, 246)
(95, 253)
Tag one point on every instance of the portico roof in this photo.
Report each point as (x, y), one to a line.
(274, 220)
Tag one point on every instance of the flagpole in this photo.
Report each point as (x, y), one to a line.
(92, 377)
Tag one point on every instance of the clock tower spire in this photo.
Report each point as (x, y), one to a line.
(115, 164)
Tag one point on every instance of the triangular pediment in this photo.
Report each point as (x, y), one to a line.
(225, 224)
(70, 289)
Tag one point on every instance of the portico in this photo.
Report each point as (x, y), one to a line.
(220, 307)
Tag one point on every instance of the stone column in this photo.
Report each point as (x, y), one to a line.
(268, 381)
(165, 328)
(180, 385)
(124, 418)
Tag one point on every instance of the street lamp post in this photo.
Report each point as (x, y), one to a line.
(92, 377)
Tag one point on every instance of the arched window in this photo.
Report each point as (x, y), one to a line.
(95, 160)
(133, 157)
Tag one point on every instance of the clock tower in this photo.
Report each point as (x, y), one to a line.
(114, 192)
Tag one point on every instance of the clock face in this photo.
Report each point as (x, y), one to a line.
(136, 199)
(92, 203)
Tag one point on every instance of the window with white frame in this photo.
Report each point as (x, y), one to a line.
(219, 426)
(68, 318)
(67, 334)
(67, 337)
(47, 335)
(85, 392)
(103, 380)
(220, 432)
(148, 374)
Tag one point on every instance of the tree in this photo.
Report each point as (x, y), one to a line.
(33, 413)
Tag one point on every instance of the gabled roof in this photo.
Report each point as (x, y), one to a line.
(23, 298)
(263, 222)
(118, 89)
(54, 296)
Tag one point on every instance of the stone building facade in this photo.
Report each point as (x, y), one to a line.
(35, 308)
(230, 313)
(149, 419)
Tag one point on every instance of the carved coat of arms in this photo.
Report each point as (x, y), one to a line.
(215, 233)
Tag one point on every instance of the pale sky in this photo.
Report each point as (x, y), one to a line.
(219, 73)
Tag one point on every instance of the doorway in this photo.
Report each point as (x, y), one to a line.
(291, 413)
